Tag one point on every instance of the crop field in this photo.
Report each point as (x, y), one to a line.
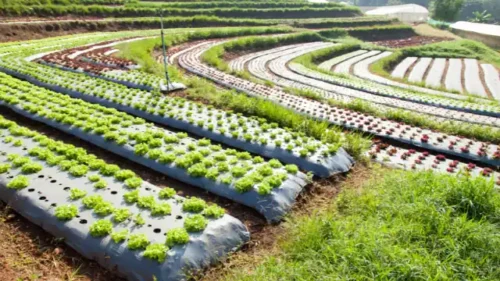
(292, 140)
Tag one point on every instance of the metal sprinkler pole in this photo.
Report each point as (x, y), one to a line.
(164, 52)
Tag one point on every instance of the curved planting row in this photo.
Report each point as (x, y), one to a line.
(273, 66)
(75, 60)
(267, 186)
(410, 159)
(103, 56)
(433, 70)
(361, 70)
(462, 147)
(255, 136)
(240, 63)
(394, 92)
(109, 214)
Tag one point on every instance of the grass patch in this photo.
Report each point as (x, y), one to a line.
(398, 226)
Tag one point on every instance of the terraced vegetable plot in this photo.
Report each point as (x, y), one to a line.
(109, 214)
(263, 157)
(428, 70)
(457, 74)
(427, 139)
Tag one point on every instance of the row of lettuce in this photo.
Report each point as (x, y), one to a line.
(37, 152)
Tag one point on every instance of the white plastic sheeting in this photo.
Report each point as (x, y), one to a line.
(409, 13)
(489, 34)
(486, 29)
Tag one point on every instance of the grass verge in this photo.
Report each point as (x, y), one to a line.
(398, 226)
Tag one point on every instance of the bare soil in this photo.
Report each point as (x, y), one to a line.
(412, 41)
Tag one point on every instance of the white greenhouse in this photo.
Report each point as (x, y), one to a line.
(410, 13)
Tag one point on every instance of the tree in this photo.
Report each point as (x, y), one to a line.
(482, 17)
(493, 7)
(446, 10)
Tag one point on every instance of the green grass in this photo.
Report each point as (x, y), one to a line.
(398, 226)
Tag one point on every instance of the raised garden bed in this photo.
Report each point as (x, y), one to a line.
(110, 215)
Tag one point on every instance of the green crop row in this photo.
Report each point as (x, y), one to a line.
(199, 159)
(63, 2)
(346, 23)
(75, 162)
(109, 11)
(372, 33)
(235, 4)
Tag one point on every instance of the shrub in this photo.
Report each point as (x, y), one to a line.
(66, 212)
